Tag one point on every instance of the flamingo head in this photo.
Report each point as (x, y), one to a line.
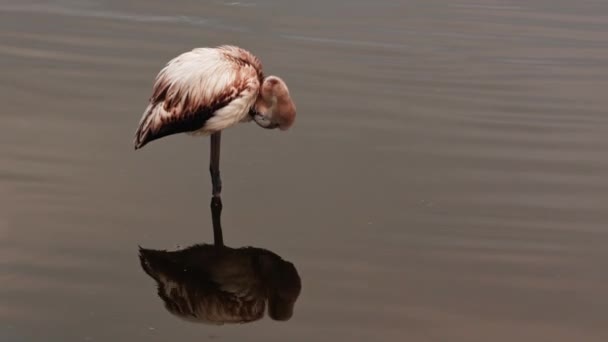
(274, 107)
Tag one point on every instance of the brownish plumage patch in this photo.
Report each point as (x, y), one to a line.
(243, 57)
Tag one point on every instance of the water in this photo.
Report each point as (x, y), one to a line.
(445, 179)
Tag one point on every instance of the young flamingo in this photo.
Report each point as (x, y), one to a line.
(206, 90)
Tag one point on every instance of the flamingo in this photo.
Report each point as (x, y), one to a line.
(208, 89)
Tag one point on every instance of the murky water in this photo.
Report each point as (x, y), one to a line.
(446, 179)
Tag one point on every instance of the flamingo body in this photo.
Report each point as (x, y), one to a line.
(206, 90)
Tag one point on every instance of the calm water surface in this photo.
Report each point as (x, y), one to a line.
(446, 179)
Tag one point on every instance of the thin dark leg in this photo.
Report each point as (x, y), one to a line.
(216, 199)
(214, 163)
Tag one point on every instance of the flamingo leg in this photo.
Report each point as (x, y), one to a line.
(214, 163)
(216, 181)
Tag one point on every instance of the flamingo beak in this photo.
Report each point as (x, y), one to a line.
(264, 122)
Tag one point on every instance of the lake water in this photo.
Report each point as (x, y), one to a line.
(446, 178)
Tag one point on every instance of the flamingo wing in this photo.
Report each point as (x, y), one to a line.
(204, 90)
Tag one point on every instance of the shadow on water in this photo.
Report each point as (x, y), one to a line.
(216, 284)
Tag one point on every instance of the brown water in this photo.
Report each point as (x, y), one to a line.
(446, 179)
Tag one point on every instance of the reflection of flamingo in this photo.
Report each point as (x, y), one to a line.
(206, 90)
(219, 284)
